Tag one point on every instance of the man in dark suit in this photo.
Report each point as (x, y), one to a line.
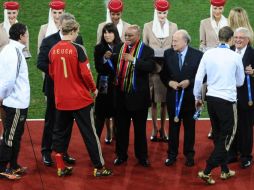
(243, 141)
(134, 61)
(181, 64)
(48, 89)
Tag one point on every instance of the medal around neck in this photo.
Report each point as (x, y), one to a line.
(176, 119)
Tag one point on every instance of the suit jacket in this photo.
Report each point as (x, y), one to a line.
(140, 99)
(43, 60)
(208, 37)
(104, 100)
(242, 92)
(171, 71)
(100, 27)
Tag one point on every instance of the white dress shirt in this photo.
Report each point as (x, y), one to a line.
(241, 52)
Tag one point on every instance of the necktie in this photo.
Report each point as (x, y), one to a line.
(180, 61)
(238, 51)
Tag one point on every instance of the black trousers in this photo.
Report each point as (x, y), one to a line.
(123, 122)
(99, 124)
(189, 134)
(243, 142)
(13, 131)
(85, 122)
(46, 144)
(223, 116)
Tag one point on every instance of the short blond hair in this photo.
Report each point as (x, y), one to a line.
(69, 26)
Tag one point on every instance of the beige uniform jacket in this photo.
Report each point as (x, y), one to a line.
(41, 36)
(208, 37)
(101, 25)
(157, 88)
(4, 39)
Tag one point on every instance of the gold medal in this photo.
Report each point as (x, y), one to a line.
(250, 103)
(176, 119)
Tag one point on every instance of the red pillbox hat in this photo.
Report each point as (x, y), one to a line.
(57, 4)
(161, 5)
(115, 6)
(218, 3)
(11, 5)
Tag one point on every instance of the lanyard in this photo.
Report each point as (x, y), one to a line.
(250, 102)
(110, 64)
(178, 105)
(223, 46)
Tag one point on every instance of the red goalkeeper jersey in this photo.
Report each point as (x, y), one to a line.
(73, 80)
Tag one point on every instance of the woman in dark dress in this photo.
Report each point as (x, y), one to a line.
(104, 109)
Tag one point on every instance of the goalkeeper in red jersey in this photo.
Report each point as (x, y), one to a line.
(73, 82)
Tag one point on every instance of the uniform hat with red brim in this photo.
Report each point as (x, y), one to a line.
(11, 5)
(161, 5)
(115, 6)
(57, 5)
(218, 3)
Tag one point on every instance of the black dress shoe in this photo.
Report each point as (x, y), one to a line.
(68, 159)
(46, 159)
(245, 164)
(170, 161)
(210, 134)
(153, 139)
(163, 136)
(119, 161)
(108, 140)
(189, 162)
(144, 163)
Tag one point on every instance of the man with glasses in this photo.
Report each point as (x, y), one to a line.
(243, 142)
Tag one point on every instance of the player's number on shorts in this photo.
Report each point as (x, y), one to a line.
(64, 67)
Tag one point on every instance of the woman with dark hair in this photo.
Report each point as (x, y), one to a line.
(105, 80)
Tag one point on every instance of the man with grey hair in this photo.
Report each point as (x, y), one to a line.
(178, 73)
(48, 89)
(243, 141)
